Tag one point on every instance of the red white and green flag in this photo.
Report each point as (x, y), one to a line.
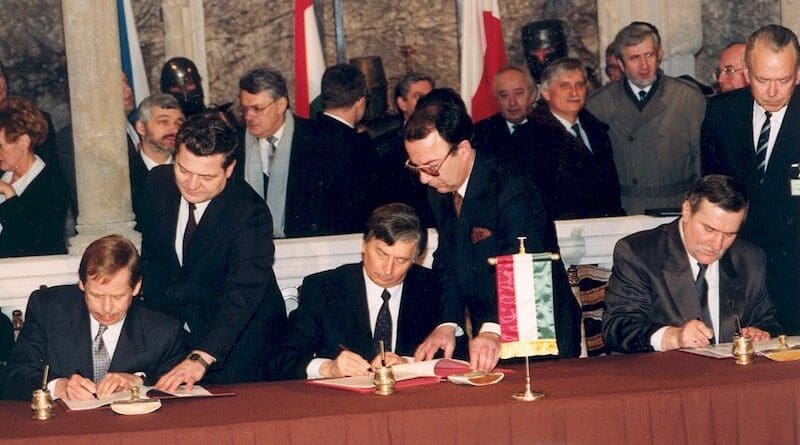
(525, 305)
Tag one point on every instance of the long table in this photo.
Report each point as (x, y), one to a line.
(655, 398)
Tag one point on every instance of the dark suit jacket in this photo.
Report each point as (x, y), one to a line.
(57, 332)
(394, 182)
(506, 205)
(33, 223)
(333, 311)
(326, 188)
(226, 290)
(138, 175)
(773, 219)
(575, 183)
(652, 286)
(492, 136)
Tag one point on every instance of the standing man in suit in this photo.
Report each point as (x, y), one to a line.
(343, 314)
(158, 119)
(395, 183)
(654, 123)
(207, 255)
(507, 134)
(278, 158)
(96, 337)
(752, 134)
(681, 284)
(730, 73)
(481, 207)
(572, 160)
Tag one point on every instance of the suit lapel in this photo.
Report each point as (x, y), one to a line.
(77, 343)
(356, 293)
(678, 277)
(785, 152)
(655, 106)
(209, 225)
(478, 181)
(731, 297)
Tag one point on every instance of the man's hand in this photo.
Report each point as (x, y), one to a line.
(484, 352)
(76, 387)
(755, 334)
(187, 371)
(346, 364)
(443, 337)
(693, 334)
(6, 190)
(391, 359)
(117, 381)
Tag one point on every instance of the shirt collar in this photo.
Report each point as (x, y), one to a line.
(339, 119)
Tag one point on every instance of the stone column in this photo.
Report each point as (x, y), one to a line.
(679, 22)
(185, 34)
(91, 38)
(790, 14)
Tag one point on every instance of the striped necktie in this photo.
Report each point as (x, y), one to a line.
(761, 147)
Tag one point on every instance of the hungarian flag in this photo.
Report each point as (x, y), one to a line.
(309, 65)
(525, 305)
(482, 55)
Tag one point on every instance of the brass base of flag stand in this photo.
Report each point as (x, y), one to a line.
(528, 395)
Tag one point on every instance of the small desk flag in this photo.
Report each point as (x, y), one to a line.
(525, 305)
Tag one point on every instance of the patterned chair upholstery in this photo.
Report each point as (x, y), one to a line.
(589, 284)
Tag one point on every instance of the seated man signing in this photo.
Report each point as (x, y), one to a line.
(681, 285)
(95, 336)
(344, 312)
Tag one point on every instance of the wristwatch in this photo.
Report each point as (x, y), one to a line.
(195, 357)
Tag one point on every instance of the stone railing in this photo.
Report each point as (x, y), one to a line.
(582, 242)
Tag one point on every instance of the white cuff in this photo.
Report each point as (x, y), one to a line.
(312, 370)
(493, 328)
(655, 339)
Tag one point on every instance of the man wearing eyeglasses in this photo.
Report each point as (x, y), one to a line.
(274, 143)
(481, 207)
(730, 68)
(752, 134)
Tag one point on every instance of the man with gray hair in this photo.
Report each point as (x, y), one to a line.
(752, 134)
(345, 312)
(274, 143)
(572, 161)
(158, 119)
(654, 123)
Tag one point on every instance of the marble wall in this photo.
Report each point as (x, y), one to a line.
(245, 33)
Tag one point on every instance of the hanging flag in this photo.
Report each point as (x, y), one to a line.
(309, 65)
(131, 51)
(525, 305)
(482, 55)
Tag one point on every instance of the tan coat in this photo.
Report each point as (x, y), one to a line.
(657, 150)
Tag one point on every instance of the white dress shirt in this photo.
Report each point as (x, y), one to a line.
(775, 122)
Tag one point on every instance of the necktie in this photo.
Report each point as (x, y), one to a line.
(642, 95)
(268, 147)
(458, 200)
(100, 359)
(514, 128)
(191, 225)
(761, 147)
(701, 286)
(383, 325)
(576, 128)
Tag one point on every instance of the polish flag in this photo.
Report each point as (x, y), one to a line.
(482, 55)
(309, 65)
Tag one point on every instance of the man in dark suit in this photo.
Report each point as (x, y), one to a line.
(207, 255)
(395, 183)
(335, 329)
(681, 284)
(481, 207)
(95, 336)
(752, 134)
(158, 119)
(571, 160)
(507, 134)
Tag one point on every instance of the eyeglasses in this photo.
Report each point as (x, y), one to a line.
(258, 111)
(728, 71)
(428, 169)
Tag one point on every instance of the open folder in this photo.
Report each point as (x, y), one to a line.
(81, 405)
(406, 375)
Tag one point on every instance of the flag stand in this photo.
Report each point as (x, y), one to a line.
(528, 395)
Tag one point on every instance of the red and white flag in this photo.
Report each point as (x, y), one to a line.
(482, 55)
(309, 64)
